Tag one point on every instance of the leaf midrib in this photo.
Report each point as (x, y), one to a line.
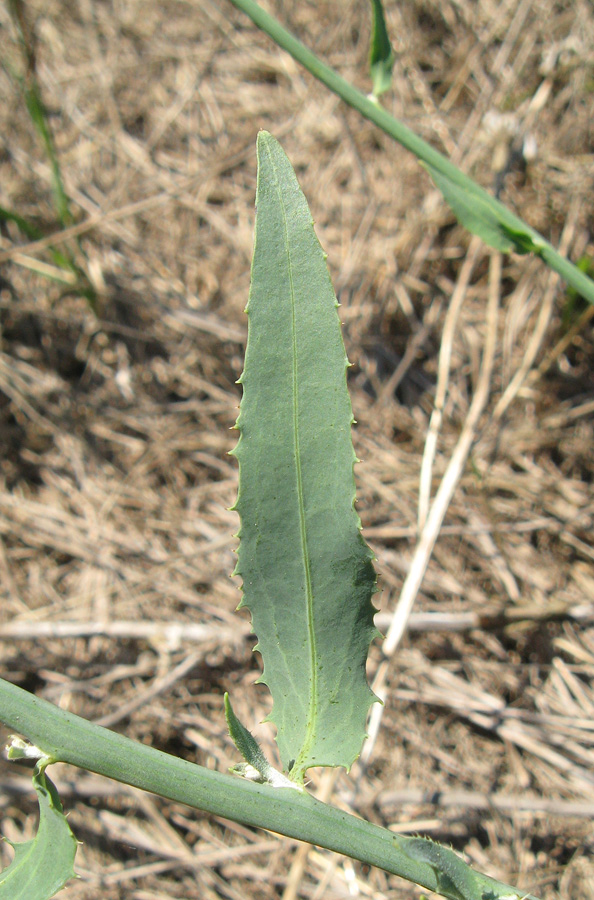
(299, 767)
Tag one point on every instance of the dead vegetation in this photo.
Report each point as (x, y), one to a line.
(115, 536)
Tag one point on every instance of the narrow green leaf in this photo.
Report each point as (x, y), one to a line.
(307, 573)
(482, 216)
(523, 241)
(43, 865)
(256, 766)
(39, 118)
(454, 877)
(472, 211)
(61, 260)
(33, 233)
(245, 742)
(29, 230)
(381, 54)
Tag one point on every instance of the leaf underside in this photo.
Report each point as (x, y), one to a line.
(43, 865)
(307, 573)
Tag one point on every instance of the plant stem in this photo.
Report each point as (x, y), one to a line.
(423, 151)
(68, 738)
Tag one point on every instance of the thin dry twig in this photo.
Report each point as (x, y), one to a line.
(439, 507)
(443, 374)
(453, 472)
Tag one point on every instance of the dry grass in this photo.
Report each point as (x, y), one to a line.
(115, 536)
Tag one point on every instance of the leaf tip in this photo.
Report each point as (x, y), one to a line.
(264, 138)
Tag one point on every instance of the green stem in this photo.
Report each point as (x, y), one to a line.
(375, 113)
(68, 738)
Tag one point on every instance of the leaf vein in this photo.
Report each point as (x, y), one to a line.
(299, 479)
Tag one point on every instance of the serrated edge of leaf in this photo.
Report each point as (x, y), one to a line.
(370, 628)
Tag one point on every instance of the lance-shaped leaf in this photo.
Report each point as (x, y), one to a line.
(307, 574)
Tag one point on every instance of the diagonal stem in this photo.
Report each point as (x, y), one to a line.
(68, 738)
(371, 110)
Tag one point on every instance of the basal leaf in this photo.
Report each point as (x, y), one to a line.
(307, 574)
(381, 55)
(43, 865)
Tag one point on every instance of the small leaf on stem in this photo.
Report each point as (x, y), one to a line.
(381, 54)
(43, 865)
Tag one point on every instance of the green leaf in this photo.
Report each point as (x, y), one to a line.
(481, 215)
(33, 233)
(454, 877)
(381, 55)
(307, 574)
(246, 743)
(256, 766)
(29, 230)
(472, 211)
(60, 259)
(523, 241)
(43, 865)
(40, 120)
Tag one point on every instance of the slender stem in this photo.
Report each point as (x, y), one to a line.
(371, 110)
(68, 738)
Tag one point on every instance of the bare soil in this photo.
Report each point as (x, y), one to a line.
(115, 483)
